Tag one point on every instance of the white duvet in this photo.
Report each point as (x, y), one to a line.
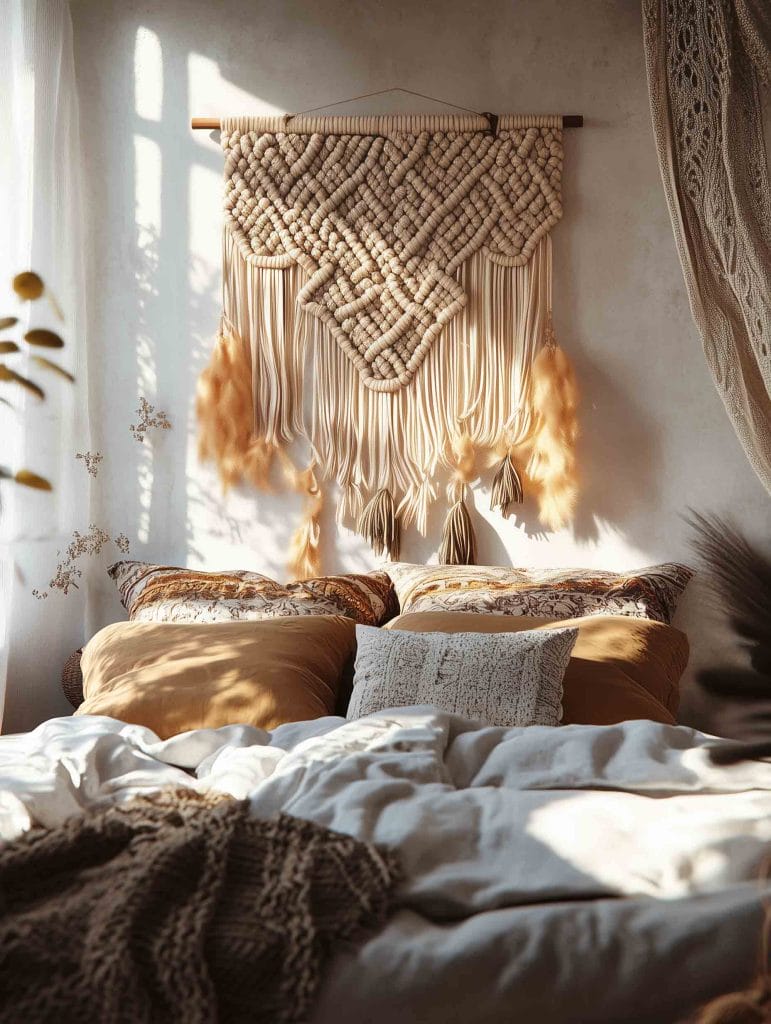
(572, 874)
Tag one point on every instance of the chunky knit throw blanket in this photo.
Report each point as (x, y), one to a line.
(180, 909)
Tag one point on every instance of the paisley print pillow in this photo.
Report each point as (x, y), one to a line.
(651, 593)
(164, 593)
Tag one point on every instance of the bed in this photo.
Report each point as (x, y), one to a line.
(592, 873)
(583, 859)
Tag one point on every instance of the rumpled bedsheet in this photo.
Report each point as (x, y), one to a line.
(572, 874)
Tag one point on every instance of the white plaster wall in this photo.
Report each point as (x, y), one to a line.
(655, 437)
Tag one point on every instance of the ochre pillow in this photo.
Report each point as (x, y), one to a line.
(621, 667)
(174, 677)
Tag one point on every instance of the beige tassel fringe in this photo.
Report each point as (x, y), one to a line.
(277, 375)
(552, 465)
(476, 373)
(507, 486)
(379, 524)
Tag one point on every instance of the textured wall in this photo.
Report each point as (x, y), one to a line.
(655, 437)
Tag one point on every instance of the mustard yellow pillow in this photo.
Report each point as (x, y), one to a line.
(621, 667)
(174, 677)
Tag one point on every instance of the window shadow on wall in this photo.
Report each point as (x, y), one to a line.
(157, 191)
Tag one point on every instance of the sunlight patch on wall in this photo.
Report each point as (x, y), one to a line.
(147, 188)
(239, 530)
(148, 75)
(205, 227)
(525, 542)
(147, 207)
(212, 95)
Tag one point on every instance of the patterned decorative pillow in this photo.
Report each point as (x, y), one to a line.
(163, 593)
(511, 679)
(650, 593)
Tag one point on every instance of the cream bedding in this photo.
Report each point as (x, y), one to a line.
(575, 874)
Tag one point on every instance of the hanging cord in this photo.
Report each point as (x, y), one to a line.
(491, 118)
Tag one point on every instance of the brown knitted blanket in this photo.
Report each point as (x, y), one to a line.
(180, 909)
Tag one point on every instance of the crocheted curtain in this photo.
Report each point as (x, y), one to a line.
(704, 58)
(386, 294)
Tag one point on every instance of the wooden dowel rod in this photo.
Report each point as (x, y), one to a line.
(213, 123)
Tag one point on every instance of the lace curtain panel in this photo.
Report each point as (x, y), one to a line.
(705, 59)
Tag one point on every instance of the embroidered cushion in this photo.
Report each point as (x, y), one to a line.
(510, 679)
(651, 593)
(163, 593)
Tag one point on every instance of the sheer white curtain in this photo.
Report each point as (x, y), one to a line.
(40, 230)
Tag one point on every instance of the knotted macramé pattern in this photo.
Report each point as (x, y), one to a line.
(380, 223)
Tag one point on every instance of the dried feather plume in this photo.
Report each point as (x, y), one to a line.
(552, 465)
(740, 576)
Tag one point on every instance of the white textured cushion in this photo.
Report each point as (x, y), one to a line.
(511, 679)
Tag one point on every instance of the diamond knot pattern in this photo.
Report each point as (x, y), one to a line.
(381, 224)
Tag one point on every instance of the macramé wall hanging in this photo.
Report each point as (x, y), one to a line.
(387, 287)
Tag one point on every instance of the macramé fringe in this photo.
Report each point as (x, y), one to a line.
(278, 376)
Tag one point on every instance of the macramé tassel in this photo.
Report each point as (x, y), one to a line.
(507, 486)
(458, 545)
(552, 465)
(304, 555)
(379, 524)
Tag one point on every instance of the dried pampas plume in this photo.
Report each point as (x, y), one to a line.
(225, 417)
(304, 555)
(552, 465)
